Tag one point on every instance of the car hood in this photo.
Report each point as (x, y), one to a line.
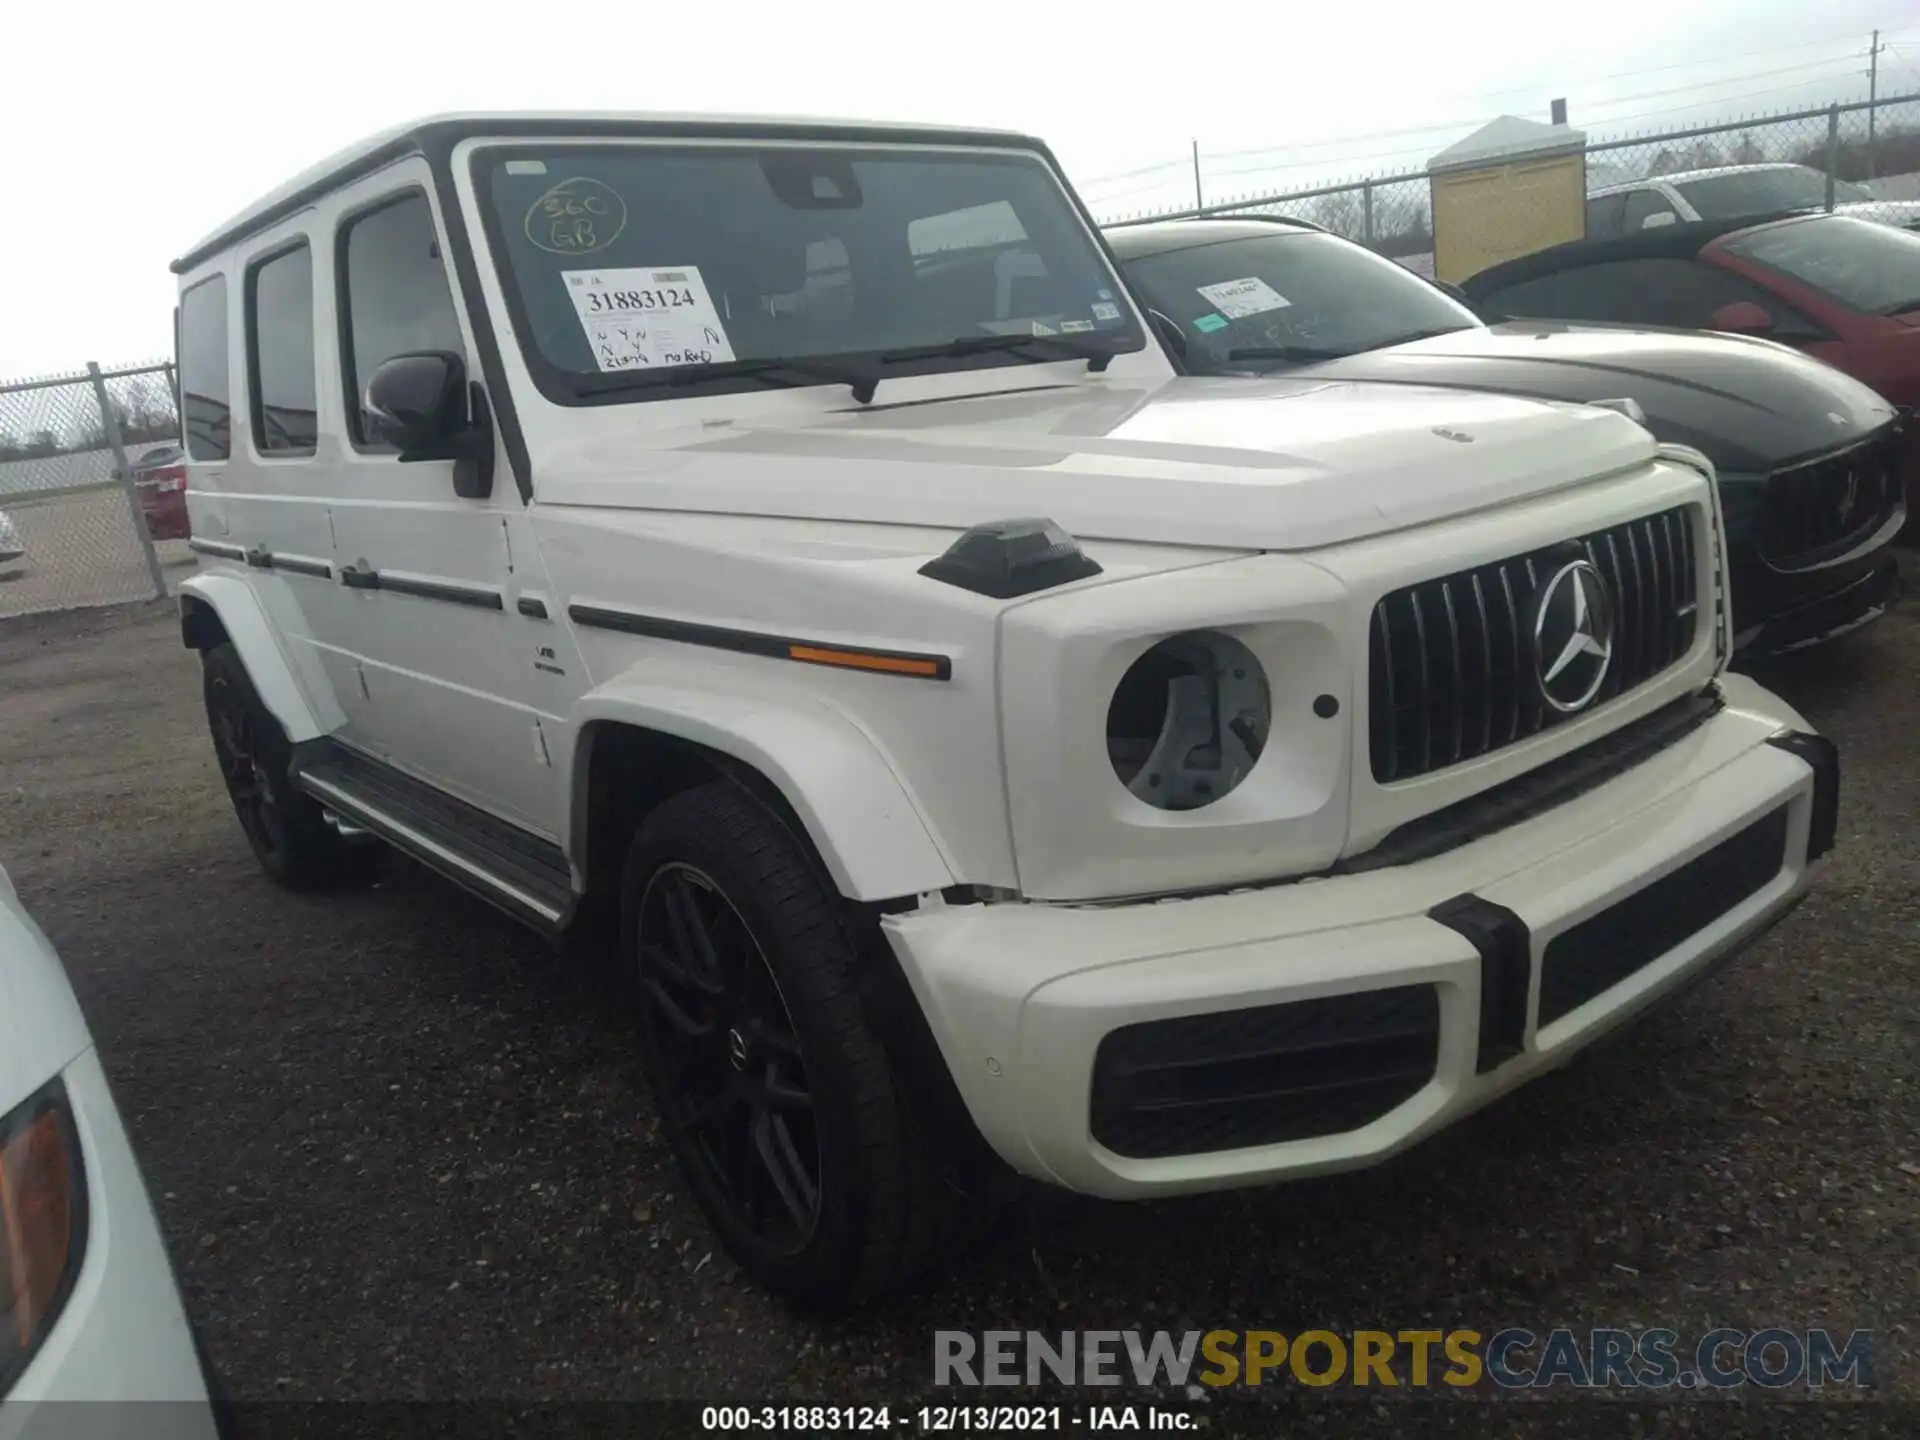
(1749, 405)
(1276, 463)
(41, 1029)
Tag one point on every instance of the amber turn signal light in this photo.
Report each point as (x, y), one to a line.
(42, 1223)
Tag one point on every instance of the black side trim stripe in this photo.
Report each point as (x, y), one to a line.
(319, 569)
(533, 609)
(441, 590)
(777, 647)
(219, 548)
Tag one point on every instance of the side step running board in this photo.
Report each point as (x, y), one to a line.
(520, 872)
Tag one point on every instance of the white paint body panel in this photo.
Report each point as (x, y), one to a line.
(1020, 995)
(122, 1334)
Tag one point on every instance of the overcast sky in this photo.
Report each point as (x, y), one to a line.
(119, 157)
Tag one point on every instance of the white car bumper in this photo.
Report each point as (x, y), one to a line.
(1021, 997)
(122, 1335)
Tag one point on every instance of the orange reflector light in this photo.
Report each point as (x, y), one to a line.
(41, 1219)
(926, 668)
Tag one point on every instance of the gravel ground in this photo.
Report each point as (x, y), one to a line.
(401, 1149)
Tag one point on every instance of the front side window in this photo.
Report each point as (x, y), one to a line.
(1288, 298)
(280, 352)
(205, 396)
(1667, 292)
(1866, 266)
(1759, 192)
(394, 296)
(637, 271)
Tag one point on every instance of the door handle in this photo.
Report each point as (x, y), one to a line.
(360, 576)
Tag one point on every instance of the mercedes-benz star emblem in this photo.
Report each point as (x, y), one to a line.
(1572, 636)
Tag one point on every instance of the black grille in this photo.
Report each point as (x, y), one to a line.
(1259, 1076)
(1815, 512)
(1452, 660)
(1606, 948)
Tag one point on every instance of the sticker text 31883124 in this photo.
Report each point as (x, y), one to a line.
(644, 315)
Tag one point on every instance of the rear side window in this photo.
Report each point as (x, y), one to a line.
(205, 404)
(394, 292)
(280, 352)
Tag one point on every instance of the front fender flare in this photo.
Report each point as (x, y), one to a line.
(245, 623)
(856, 811)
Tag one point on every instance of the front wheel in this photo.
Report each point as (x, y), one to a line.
(287, 828)
(790, 1125)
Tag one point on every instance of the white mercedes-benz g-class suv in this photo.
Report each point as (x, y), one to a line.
(784, 549)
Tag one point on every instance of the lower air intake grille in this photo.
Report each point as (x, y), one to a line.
(1256, 1077)
(1606, 948)
(1452, 660)
(1818, 511)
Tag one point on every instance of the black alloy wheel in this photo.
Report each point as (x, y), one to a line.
(737, 1089)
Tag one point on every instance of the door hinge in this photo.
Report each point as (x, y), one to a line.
(540, 745)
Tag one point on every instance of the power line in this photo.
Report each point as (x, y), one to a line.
(1607, 121)
(1575, 82)
(1460, 124)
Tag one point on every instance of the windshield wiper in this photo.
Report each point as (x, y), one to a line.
(1426, 334)
(1096, 353)
(785, 373)
(1302, 353)
(1306, 354)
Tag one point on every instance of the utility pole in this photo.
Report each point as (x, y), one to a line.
(1199, 201)
(1873, 90)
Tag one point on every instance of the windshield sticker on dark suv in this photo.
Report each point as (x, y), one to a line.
(576, 217)
(1237, 299)
(643, 316)
(1209, 323)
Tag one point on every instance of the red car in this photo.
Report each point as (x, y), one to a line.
(1845, 290)
(160, 478)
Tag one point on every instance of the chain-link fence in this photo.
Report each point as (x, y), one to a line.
(1865, 158)
(92, 489)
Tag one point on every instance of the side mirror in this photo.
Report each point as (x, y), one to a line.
(1741, 317)
(421, 404)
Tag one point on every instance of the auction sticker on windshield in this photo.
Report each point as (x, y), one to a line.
(1237, 299)
(644, 316)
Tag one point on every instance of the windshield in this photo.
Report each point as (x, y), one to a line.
(1297, 294)
(1759, 192)
(1866, 266)
(661, 262)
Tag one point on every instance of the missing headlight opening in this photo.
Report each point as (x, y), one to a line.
(1188, 720)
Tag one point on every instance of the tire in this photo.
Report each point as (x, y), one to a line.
(729, 1052)
(287, 829)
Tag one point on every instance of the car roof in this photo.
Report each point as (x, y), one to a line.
(1134, 239)
(1665, 242)
(1683, 175)
(436, 135)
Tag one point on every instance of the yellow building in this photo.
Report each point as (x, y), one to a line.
(1512, 187)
